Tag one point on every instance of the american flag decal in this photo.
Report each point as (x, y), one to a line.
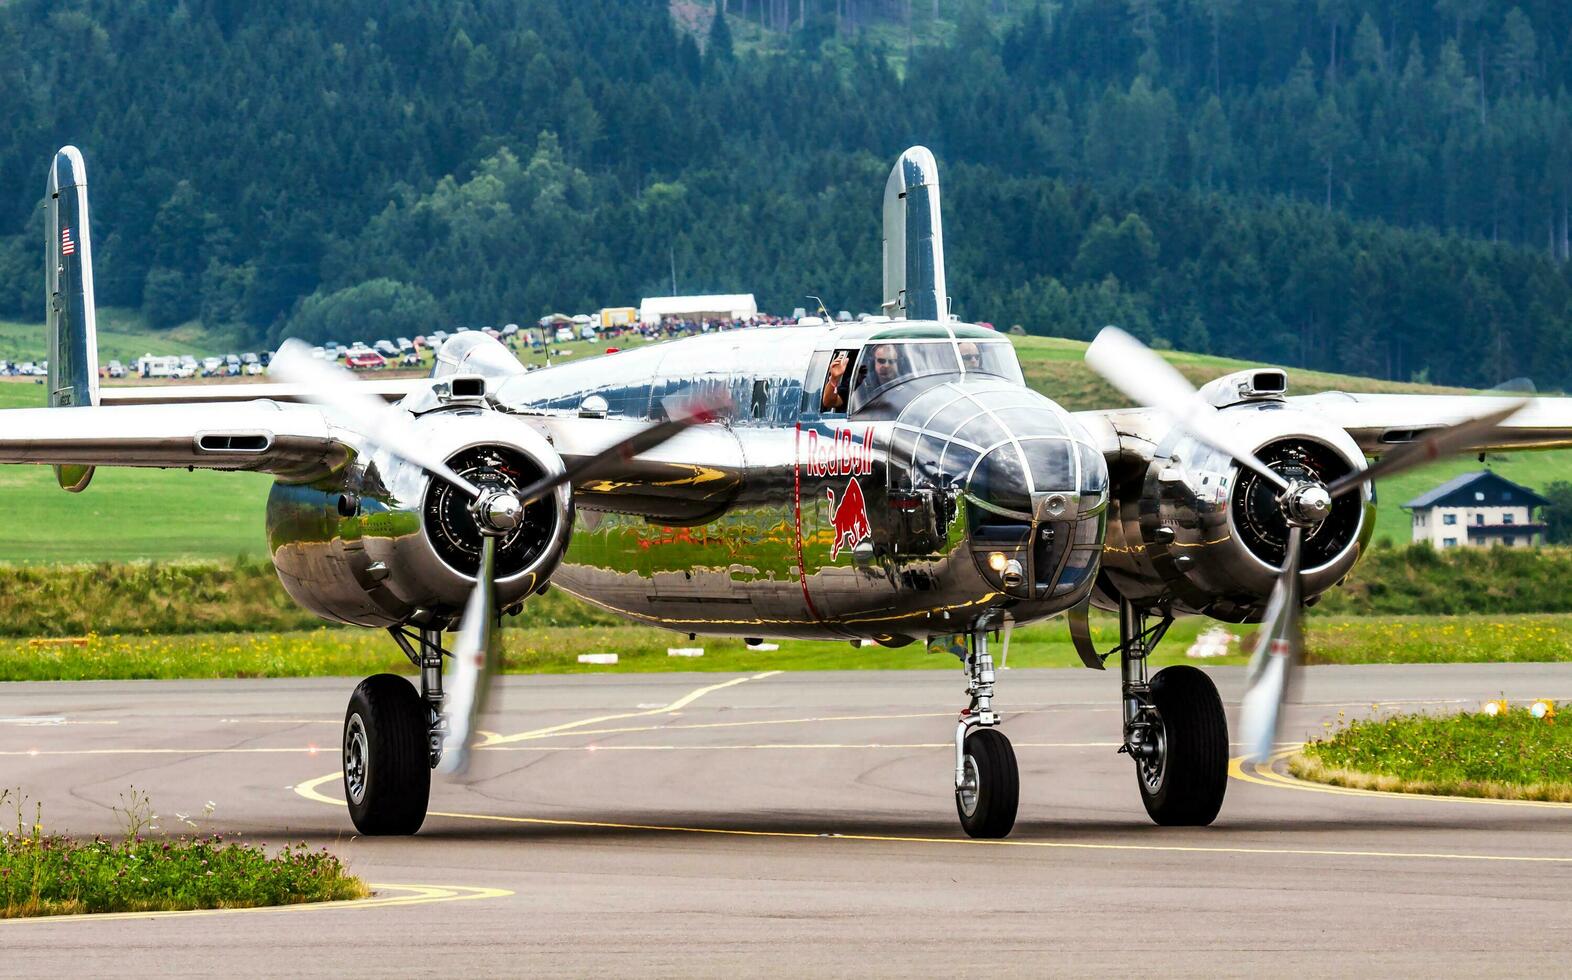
(67, 244)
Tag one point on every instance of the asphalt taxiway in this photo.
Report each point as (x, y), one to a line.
(797, 823)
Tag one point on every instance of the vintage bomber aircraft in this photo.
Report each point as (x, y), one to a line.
(893, 480)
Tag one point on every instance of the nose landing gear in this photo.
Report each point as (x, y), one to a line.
(987, 780)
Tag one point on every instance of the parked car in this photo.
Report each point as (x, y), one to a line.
(116, 369)
(364, 359)
(385, 348)
(404, 345)
(564, 335)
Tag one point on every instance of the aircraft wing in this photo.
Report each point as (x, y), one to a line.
(1380, 422)
(388, 389)
(295, 443)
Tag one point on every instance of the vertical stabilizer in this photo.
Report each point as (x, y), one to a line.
(914, 286)
(68, 282)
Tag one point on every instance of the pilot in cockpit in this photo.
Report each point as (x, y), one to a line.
(881, 366)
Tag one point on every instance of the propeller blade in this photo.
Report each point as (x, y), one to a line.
(1130, 366)
(1456, 438)
(680, 415)
(330, 387)
(1278, 650)
(475, 657)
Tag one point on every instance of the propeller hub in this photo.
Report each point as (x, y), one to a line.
(1307, 504)
(498, 511)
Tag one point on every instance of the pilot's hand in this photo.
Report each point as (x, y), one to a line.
(838, 366)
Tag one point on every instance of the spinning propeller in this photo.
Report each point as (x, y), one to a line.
(498, 511)
(1128, 365)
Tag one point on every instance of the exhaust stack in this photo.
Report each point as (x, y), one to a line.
(914, 287)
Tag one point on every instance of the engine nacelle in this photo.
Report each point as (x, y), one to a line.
(1196, 533)
(383, 543)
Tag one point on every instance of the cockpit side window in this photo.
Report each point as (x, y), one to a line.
(833, 384)
(992, 357)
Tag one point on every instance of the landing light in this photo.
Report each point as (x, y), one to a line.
(996, 560)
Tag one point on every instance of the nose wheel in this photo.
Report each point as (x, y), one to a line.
(990, 789)
(987, 780)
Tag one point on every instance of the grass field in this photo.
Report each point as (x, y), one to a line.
(123, 335)
(554, 649)
(1511, 755)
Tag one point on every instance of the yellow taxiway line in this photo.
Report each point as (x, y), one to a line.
(409, 895)
(309, 790)
(1265, 774)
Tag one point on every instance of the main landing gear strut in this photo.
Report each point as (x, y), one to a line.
(392, 739)
(987, 781)
(1174, 728)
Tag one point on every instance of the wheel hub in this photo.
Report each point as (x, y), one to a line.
(1149, 748)
(357, 755)
(966, 793)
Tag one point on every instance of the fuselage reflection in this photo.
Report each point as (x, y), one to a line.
(891, 481)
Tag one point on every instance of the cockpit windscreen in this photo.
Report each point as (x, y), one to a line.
(886, 363)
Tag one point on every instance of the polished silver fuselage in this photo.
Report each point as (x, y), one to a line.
(941, 502)
(757, 532)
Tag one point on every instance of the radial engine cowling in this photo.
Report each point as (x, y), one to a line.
(384, 543)
(1196, 533)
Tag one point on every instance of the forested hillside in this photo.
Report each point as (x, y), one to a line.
(1378, 188)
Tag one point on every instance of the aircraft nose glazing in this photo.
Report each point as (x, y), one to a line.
(1034, 486)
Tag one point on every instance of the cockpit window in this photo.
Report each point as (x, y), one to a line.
(886, 363)
(835, 390)
(994, 357)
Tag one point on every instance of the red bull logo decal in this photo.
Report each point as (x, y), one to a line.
(839, 453)
(848, 519)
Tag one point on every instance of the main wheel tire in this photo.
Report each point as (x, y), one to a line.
(387, 756)
(987, 802)
(1188, 786)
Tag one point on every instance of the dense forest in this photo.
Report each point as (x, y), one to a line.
(1375, 187)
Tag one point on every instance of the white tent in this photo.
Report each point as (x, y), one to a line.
(738, 306)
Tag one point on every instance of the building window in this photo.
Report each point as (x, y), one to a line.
(1448, 518)
(1507, 519)
(1449, 542)
(1479, 520)
(1479, 495)
(1509, 540)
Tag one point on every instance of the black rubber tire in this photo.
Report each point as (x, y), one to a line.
(398, 756)
(998, 785)
(1195, 730)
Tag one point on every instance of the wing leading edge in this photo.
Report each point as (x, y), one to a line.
(292, 443)
(1379, 423)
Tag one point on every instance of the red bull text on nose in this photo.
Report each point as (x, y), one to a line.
(848, 519)
(841, 452)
